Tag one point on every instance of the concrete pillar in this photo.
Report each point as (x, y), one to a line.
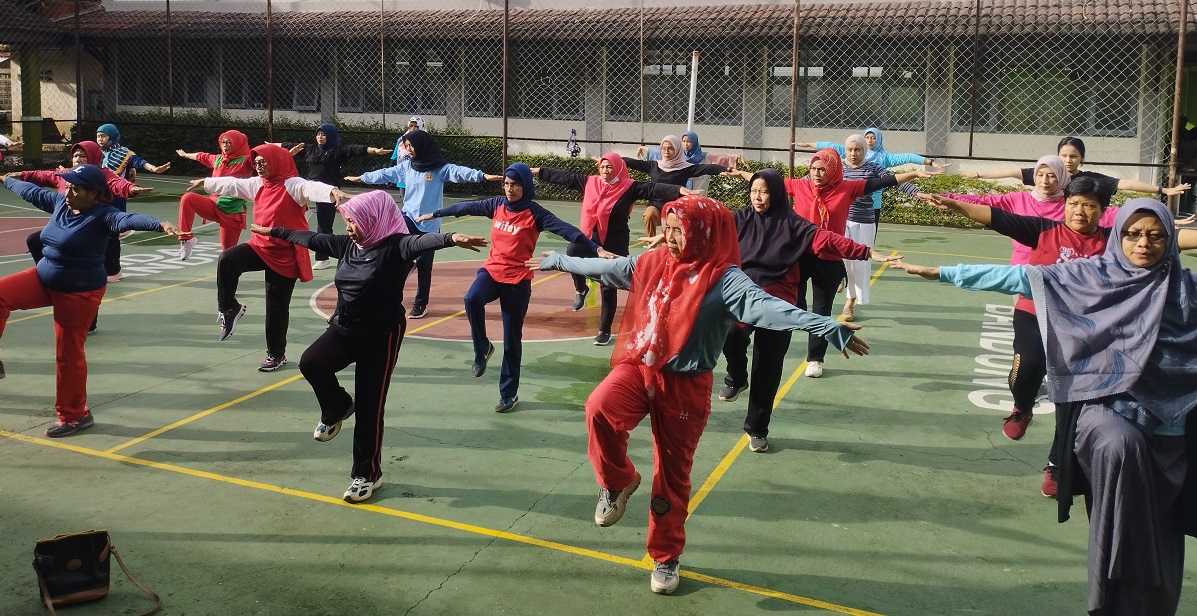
(1155, 92)
(755, 88)
(937, 102)
(31, 103)
(595, 103)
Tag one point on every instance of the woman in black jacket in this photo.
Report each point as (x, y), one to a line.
(673, 168)
(368, 325)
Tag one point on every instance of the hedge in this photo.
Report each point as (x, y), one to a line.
(156, 136)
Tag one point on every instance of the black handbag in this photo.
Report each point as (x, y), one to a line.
(75, 568)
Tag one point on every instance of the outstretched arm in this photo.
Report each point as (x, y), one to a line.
(1007, 279)
(749, 304)
(972, 211)
(1013, 173)
(615, 272)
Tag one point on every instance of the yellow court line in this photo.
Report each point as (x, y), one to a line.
(255, 394)
(950, 254)
(203, 414)
(742, 442)
(415, 517)
(126, 296)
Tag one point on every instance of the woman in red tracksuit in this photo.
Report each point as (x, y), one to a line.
(684, 298)
(234, 161)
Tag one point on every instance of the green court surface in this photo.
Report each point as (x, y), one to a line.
(888, 489)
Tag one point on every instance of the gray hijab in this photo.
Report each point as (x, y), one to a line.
(1110, 327)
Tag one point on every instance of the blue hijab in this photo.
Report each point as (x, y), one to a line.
(116, 156)
(695, 154)
(1113, 328)
(877, 152)
(330, 131)
(523, 174)
(114, 135)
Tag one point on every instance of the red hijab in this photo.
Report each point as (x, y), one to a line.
(239, 149)
(666, 291)
(817, 195)
(275, 207)
(599, 197)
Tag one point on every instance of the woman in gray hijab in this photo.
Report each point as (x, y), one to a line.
(1120, 332)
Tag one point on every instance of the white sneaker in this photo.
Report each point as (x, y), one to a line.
(325, 433)
(611, 506)
(814, 369)
(361, 490)
(186, 247)
(325, 264)
(665, 579)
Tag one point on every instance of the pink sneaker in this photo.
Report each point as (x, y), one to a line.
(1048, 488)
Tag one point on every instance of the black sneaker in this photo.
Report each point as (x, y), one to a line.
(61, 429)
(580, 300)
(418, 311)
(228, 321)
(506, 404)
(272, 363)
(95, 326)
(479, 367)
(602, 339)
(729, 393)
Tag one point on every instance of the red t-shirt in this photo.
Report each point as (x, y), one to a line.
(513, 238)
(838, 200)
(1051, 241)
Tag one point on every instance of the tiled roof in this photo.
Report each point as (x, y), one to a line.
(23, 26)
(861, 19)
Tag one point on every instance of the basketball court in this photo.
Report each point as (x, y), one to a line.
(888, 488)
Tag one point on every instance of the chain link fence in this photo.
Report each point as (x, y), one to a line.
(985, 84)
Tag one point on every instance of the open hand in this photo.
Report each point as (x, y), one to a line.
(654, 241)
(195, 185)
(424, 217)
(169, 228)
(855, 345)
(470, 242)
(930, 273)
(259, 229)
(880, 258)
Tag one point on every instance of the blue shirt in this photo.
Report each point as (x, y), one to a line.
(424, 191)
(74, 244)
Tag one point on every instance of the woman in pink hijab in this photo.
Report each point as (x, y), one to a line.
(376, 255)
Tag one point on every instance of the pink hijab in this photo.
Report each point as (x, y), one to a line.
(1056, 164)
(679, 157)
(600, 197)
(376, 215)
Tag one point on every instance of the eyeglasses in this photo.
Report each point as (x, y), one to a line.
(260, 162)
(1152, 238)
(226, 142)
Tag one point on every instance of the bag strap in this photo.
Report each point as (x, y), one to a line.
(132, 578)
(45, 594)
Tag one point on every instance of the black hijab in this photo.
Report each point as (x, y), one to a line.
(428, 155)
(771, 243)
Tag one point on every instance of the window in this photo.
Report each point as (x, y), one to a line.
(548, 82)
(483, 82)
(142, 83)
(845, 92)
(719, 94)
(622, 88)
(666, 85)
(244, 84)
(1088, 89)
(359, 79)
(417, 81)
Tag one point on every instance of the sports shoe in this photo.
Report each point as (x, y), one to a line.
(814, 369)
(272, 363)
(319, 265)
(602, 339)
(611, 505)
(506, 404)
(580, 300)
(1048, 488)
(843, 284)
(418, 311)
(479, 367)
(186, 247)
(228, 321)
(1015, 426)
(95, 326)
(60, 429)
(664, 579)
(729, 393)
(758, 444)
(325, 433)
(2, 375)
(116, 277)
(361, 489)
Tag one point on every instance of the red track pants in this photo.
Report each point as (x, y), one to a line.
(230, 224)
(73, 314)
(678, 416)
